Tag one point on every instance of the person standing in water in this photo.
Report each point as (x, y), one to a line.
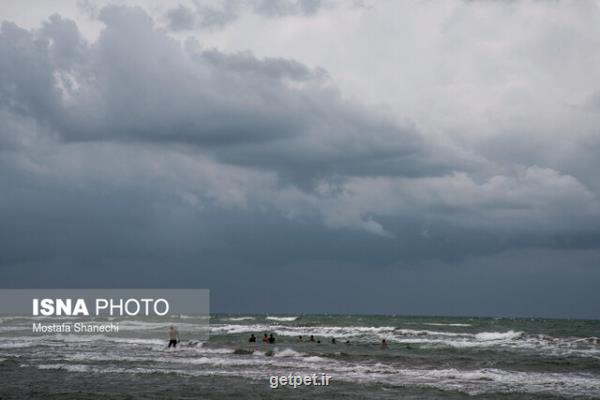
(173, 337)
(271, 339)
(252, 339)
(265, 338)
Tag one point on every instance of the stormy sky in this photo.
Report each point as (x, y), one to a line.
(306, 155)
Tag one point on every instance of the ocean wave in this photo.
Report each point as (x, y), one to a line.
(16, 344)
(286, 360)
(516, 340)
(469, 381)
(66, 367)
(488, 336)
(234, 319)
(475, 382)
(282, 319)
(414, 332)
(12, 328)
(134, 325)
(442, 324)
(184, 316)
(288, 353)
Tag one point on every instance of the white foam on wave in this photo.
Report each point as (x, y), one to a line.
(256, 374)
(545, 346)
(240, 319)
(206, 361)
(474, 382)
(488, 336)
(66, 367)
(442, 324)
(282, 319)
(414, 332)
(16, 344)
(287, 352)
(215, 350)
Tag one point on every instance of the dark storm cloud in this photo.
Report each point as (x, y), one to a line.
(137, 84)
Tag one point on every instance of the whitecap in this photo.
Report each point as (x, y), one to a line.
(240, 318)
(287, 352)
(282, 319)
(66, 367)
(488, 336)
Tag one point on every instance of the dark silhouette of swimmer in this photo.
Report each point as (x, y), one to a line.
(347, 342)
(318, 341)
(312, 338)
(271, 338)
(265, 338)
(384, 344)
(332, 340)
(300, 339)
(173, 337)
(252, 339)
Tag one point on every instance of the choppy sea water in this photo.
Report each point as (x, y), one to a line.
(426, 357)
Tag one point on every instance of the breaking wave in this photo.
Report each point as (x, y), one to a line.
(282, 319)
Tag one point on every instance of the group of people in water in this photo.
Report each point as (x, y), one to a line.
(271, 339)
(267, 338)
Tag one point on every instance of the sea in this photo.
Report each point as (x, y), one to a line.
(424, 357)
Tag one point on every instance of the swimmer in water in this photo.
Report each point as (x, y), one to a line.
(173, 337)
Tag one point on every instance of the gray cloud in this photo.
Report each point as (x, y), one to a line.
(201, 16)
(181, 18)
(271, 113)
(205, 15)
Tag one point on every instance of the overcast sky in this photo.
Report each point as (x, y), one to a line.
(409, 157)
